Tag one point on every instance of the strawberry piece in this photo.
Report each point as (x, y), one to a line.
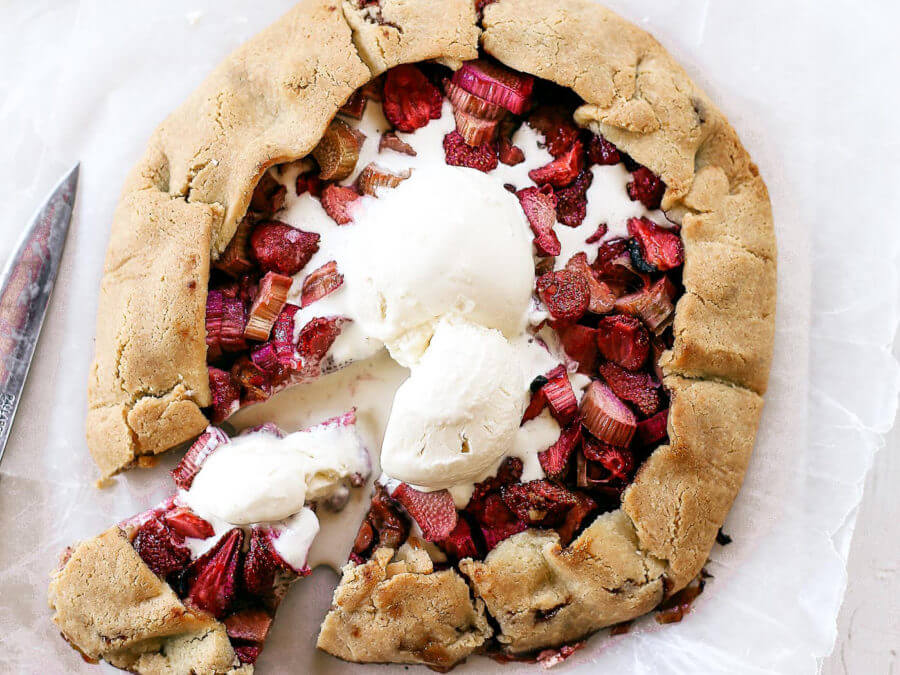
(188, 524)
(337, 200)
(309, 182)
(599, 233)
(459, 543)
(391, 141)
(162, 549)
(510, 471)
(565, 293)
(247, 653)
(653, 430)
(611, 464)
(555, 459)
(211, 580)
(251, 625)
(606, 417)
(269, 301)
(320, 283)
(601, 151)
(268, 196)
(661, 248)
(278, 247)
(580, 343)
(338, 151)
(562, 170)
(538, 502)
(539, 205)
(574, 518)
(623, 340)
(410, 99)
(561, 399)
(646, 188)
(496, 84)
(510, 154)
(433, 511)
(652, 305)
(261, 564)
(235, 259)
(555, 123)
(538, 400)
(602, 298)
(226, 394)
(316, 338)
(572, 200)
(205, 445)
(641, 389)
(495, 520)
(457, 152)
(256, 385)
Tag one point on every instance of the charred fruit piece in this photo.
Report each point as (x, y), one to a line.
(410, 99)
(278, 247)
(606, 417)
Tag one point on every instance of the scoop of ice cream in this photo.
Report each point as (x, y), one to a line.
(458, 412)
(445, 242)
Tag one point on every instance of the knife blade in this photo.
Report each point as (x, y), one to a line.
(25, 287)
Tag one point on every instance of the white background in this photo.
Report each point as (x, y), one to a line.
(811, 88)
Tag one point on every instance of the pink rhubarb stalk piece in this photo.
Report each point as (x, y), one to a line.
(320, 283)
(496, 84)
(205, 445)
(270, 300)
(606, 417)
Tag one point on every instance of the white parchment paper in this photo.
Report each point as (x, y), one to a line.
(810, 87)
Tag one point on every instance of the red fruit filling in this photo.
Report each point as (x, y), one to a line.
(599, 233)
(660, 248)
(654, 305)
(580, 343)
(566, 294)
(652, 430)
(374, 177)
(495, 520)
(278, 247)
(539, 205)
(641, 389)
(268, 196)
(236, 258)
(338, 151)
(606, 417)
(459, 153)
(385, 525)
(320, 283)
(604, 468)
(510, 154)
(496, 84)
(269, 301)
(646, 188)
(256, 385)
(561, 171)
(555, 123)
(309, 182)
(161, 548)
(623, 340)
(561, 399)
(410, 99)
(188, 524)
(211, 580)
(575, 518)
(602, 298)
(391, 141)
(434, 512)
(555, 460)
(601, 151)
(226, 395)
(247, 630)
(460, 543)
(205, 445)
(538, 503)
(572, 200)
(316, 338)
(475, 130)
(336, 201)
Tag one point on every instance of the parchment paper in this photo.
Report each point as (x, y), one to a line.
(810, 89)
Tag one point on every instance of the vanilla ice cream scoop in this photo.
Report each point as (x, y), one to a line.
(458, 412)
(445, 242)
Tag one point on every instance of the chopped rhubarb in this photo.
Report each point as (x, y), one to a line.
(602, 298)
(251, 625)
(212, 579)
(470, 104)
(236, 259)
(660, 248)
(606, 417)
(565, 293)
(496, 84)
(459, 543)
(652, 430)
(623, 340)
(266, 358)
(337, 202)
(320, 283)
(391, 141)
(355, 106)
(539, 205)
(580, 343)
(601, 151)
(280, 248)
(226, 394)
(256, 384)
(410, 99)
(269, 301)
(283, 338)
(374, 177)
(652, 305)
(188, 524)
(434, 512)
(215, 314)
(247, 653)
(385, 525)
(646, 188)
(562, 170)
(538, 502)
(555, 123)
(555, 459)
(225, 319)
(572, 200)
(338, 151)
(162, 549)
(475, 130)
(268, 196)
(561, 399)
(459, 153)
(510, 154)
(641, 389)
(316, 338)
(205, 445)
(309, 182)
(604, 467)
(575, 517)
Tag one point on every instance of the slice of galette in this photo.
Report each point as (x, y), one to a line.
(193, 584)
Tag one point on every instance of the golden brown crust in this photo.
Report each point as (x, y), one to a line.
(111, 606)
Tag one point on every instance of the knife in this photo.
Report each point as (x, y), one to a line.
(25, 287)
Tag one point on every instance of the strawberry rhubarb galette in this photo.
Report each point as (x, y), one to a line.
(526, 203)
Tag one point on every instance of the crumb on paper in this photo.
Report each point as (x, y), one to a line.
(193, 17)
(103, 483)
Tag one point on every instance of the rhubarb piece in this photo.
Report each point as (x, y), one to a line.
(662, 249)
(538, 503)
(606, 417)
(510, 154)
(555, 460)
(337, 200)
(459, 153)
(652, 430)
(470, 104)
(256, 385)
(604, 468)
(162, 549)
(641, 389)
(247, 653)
(434, 512)
(652, 305)
(384, 525)
(320, 283)
(338, 151)
(269, 301)
(575, 518)
(225, 318)
(278, 247)
(561, 399)
(316, 338)
(236, 259)
(268, 196)
(618, 271)
(572, 200)
(602, 299)
(459, 543)
(563, 170)
(601, 151)
(474, 130)
(355, 106)
(580, 343)
(496, 84)
(211, 580)
(226, 395)
(623, 340)
(565, 293)
(251, 625)
(646, 188)
(510, 471)
(308, 182)
(205, 445)
(283, 338)
(215, 314)
(539, 205)
(374, 177)
(410, 99)
(495, 520)
(188, 524)
(555, 123)
(391, 141)
(265, 357)
(599, 233)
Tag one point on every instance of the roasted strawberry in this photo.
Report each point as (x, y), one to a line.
(602, 298)
(599, 233)
(606, 417)
(256, 385)
(539, 205)
(410, 99)
(510, 154)
(320, 283)
(641, 389)
(565, 293)
(538, 502)
(268, 196)
(457, 152)
(661, 248)
(572, 200)
(211, 580)
(646, 188)
(205, 445)
(555, 460)
(391, 141)
(496, 84)
(495, 520)
(601, 151)
(555, 123)
(510, 471)
(188, 524)
(652, 430)
(459, 543)
(623, 340)
(226, 394)
(309, 182)
(278, 247)
(162, 549)
(261, 564)
(561, 171)
(433, 511)
(580, 343)
(337, 200)
(316, 338)
(575, 517)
